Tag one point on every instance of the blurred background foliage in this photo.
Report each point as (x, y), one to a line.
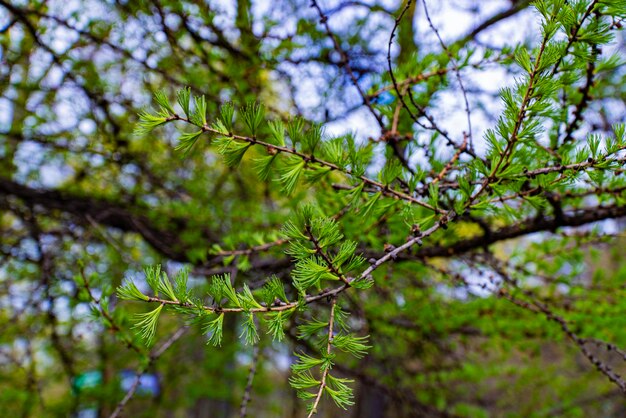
(85, 203)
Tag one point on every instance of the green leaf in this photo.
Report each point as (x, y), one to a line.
(148, 121)
(198, 117)
(290, 174)
(363, 283)
(369, 205)
(249, 332)
(276, 324)
(227, 112)
(293, 231)
(221, 287)
(153, 277)
(180, 285)
(390, 172)
(129, 291)
(346, 250)
(253, 115)
(219, 127)
(214, 330)
(316, 173)
(277, 130)
(310, 328)
(273, 290)
(186, 141)
(247, 300)
(351, 344)
(339, 391)
(263, 166)
(305, 362)
(165, 287)
(147, 322)
(433, 194)
(299, 250)
(232, 150)
(310, 272)
(326, 231)
(333, 152)
(295, 128)
(163, 101)
(312, 138)
(183, 98)
(523, 59)
(304, 380)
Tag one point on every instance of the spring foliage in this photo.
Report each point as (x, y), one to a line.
(420, 224)
(527, 166)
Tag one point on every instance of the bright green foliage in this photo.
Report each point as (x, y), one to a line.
(253, 115)
(419, 222)
(276, 322)
(187, 140)
(273, 290)
(183, 98)
(129, 291)
(147, 324)
(221, 288)
(350, 344)
(337, 388)
(214, 330)
(324, 256)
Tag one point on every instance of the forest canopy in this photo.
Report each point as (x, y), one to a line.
(312, 208)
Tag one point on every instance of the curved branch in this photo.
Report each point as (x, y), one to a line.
(104, 212)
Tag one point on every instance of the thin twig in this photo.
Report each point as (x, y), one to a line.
(320, 251)
(539, 307)
(248, 391)
(396, 87)
(345, 62)
(154, 356)
(331, 322)
(383, 188)
(113, 325)
(457, 71)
